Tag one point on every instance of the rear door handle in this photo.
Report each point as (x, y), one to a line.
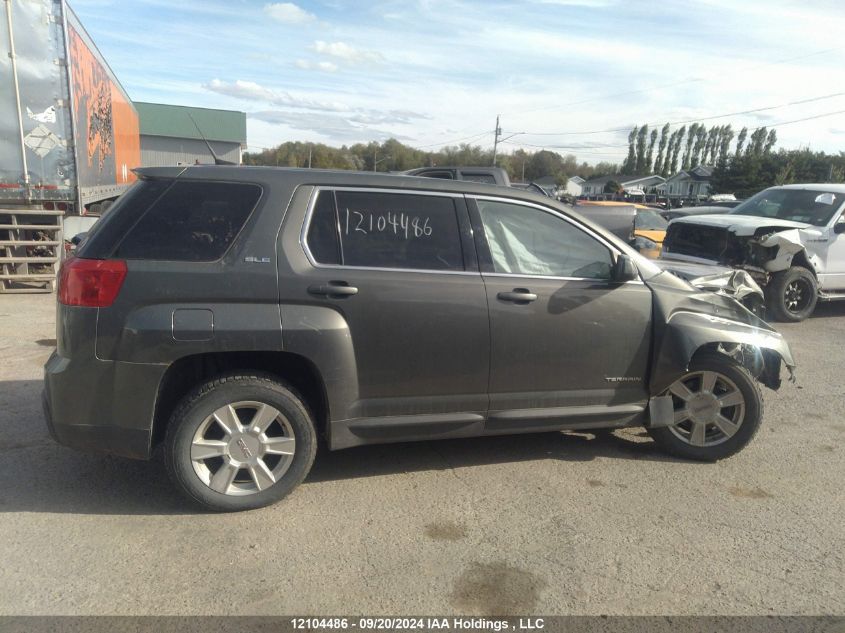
(334, 289)
(518, 295)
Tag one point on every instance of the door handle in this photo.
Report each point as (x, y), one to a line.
(518, 295)
(334, 289)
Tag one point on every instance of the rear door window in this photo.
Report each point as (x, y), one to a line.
(386, 230)
(194, 221)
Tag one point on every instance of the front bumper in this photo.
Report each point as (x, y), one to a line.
(101, 406)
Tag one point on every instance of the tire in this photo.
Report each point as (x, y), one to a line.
(791, 295)
(239, 442)
(733, 384)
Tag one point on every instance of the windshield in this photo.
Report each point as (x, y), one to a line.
(798, 205)
(648, 220)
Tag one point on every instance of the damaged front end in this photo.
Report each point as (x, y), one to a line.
(736, 284)
(760, 249)
(689, 322)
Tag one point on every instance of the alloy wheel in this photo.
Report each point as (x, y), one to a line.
(797, 296)
(243, 448)
(709, 408)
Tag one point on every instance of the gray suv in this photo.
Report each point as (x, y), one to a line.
(230, 316)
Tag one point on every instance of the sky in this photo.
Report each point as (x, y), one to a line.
(568, 75)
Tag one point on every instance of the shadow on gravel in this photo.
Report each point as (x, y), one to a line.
(829, 309)
(38, 475)
(570, 446)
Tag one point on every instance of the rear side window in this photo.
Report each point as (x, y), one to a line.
(194, 221)
(386, 230)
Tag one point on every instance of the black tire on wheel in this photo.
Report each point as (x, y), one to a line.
(748, 418)
(791, 295)
(196, 412)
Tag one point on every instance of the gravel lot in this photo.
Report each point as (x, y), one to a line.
(537, 524)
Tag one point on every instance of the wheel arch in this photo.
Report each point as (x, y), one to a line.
(688, 334)
(189, 372)
(801, 260)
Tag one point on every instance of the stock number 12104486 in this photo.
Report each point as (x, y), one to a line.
(401, 224)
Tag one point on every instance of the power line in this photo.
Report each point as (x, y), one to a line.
(457, 140)
(695, 120)
(768, 126)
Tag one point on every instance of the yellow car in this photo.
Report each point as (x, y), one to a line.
(648, 223)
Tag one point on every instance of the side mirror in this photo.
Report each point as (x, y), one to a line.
(839, 227)
(624, 269)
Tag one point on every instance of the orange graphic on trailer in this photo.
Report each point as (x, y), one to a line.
(107, 140)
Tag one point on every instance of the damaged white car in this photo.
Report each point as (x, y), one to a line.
(790, 239)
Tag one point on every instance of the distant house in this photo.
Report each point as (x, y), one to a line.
(689, 184)
(632, 186)
(573, 186)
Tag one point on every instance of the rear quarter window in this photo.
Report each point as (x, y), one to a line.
(194, 221)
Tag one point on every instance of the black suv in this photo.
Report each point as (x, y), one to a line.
(231, 315)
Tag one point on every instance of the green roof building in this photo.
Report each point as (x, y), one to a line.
(173, 135)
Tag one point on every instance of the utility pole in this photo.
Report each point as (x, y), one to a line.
(309, 156)
(375, 153)
(497, 133)
(498, 138)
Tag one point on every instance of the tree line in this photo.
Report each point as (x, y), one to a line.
(392, 155)
(743, 163)
(690, 146)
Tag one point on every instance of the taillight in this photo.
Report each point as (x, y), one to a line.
(92, 283)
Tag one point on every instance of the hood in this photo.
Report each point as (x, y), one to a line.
(690, 270)
(741, 224)
(736, 284)
(656, 236)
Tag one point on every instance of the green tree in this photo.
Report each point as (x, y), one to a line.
(649, 157)
(725, 137)
(740, 141)
(691, 136)
(698, 148)
(630, 163)
(611, 186)
(661, 148)
(771, 139)
(642, 136)
(673, 167)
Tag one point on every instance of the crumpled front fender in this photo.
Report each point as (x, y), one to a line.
(788, 245)
(687, 319)
(687, 332)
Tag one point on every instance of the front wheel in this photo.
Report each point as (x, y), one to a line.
(718, 409)
(791, 295)
(239, 442)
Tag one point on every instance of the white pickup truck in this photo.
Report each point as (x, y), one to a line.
(791, 239)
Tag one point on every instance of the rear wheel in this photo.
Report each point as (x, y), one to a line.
(718, 409)
(791, 295)
(240, 442)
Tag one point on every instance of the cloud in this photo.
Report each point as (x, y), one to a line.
(591, 4)
(342, 120)
(332, 126)
(347, 53)
(251, 91)
(325, 66)
(288, 13)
